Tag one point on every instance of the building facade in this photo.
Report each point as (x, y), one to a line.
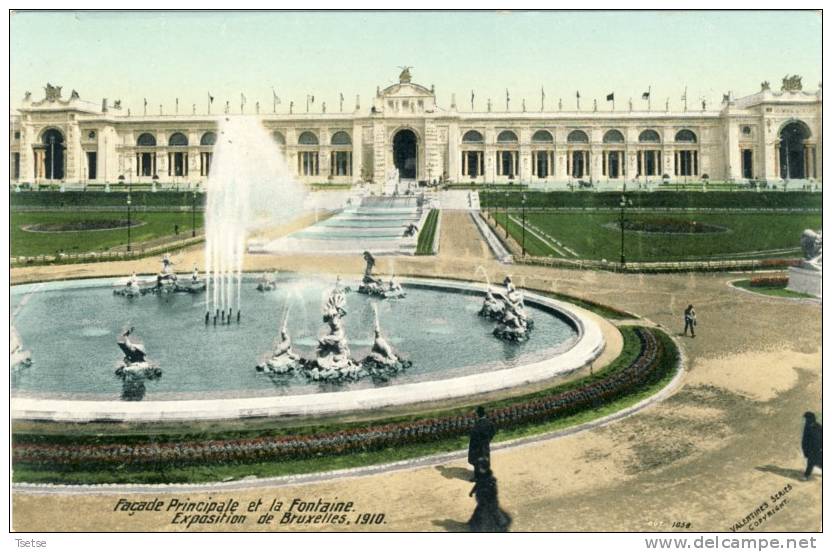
(769, 135)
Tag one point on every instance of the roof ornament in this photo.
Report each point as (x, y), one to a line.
(765, 85)
(75, 95)
(404, 76)
(792, 83)
(53, 93)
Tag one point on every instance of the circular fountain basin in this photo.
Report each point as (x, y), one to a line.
(208, 372)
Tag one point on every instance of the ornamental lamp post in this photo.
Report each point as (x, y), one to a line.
(193, 213)
(524, 225)
(129, 214)
(623, 205)
(506, 207)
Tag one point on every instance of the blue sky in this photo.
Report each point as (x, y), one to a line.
(162, 56)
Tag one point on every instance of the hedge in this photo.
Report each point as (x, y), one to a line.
(660, 199)
(653, 361)
(70, 199)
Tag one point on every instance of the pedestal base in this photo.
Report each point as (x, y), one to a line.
(806, 280)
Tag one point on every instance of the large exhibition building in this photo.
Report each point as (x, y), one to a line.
(769, 135)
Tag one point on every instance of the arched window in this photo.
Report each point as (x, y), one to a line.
(472, 137)
(686, 135)
(279, 138)
(507, 137)
(208, 139)
(542, 136)
(613, 137)
(649, 136)
(146, 140)
(178, 139)
(307, 138)
(341, 138)
(577, 136)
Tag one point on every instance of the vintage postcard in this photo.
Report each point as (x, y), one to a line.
(535, 271)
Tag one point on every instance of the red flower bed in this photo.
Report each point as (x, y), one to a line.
(772, 263)
(769, 281)
(374, 437)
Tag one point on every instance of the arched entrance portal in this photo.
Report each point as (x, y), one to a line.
(405, 153)
(793, 150)
(53, 142)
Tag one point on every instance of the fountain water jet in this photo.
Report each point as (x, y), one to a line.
(249, 186)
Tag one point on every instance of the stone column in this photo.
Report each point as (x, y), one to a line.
(379, 154)
(357, 152)
(455, 170)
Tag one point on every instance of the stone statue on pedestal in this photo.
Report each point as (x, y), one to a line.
(491, 306)
(135, 363)
(812, 244)
(283, 359)
(514, 323)
(382, 362)
(333, 362)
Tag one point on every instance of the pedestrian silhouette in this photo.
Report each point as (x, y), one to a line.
(690, 321)
(479, 445)
(488, 517)
(812, 444)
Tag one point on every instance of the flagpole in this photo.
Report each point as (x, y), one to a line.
(649, 96)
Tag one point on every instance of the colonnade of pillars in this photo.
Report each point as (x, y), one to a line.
(472, 163)
(340, 163)
(649, 163)
(543, 163)
(508, 163)
(613, 165)
(809, 161)
(308, 163)
(205, 158)
(177, 164)
(686, 163)
(145, 164)
(577, 162)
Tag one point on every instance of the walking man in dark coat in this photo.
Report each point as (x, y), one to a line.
(690, 321)
(481, 435)
(812, 444)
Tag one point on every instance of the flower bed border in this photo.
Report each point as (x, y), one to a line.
(646, 367)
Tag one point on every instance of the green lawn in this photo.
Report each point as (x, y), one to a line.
(660, 199)
(424, 244)
(772, 291)
(155, 225)
(595, 235)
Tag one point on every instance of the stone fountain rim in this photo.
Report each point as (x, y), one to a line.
(585, 348)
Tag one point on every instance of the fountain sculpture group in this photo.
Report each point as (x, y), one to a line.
(166, 281)
(135, 364)
(513, 322)
(333, 361)
(370, 285)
